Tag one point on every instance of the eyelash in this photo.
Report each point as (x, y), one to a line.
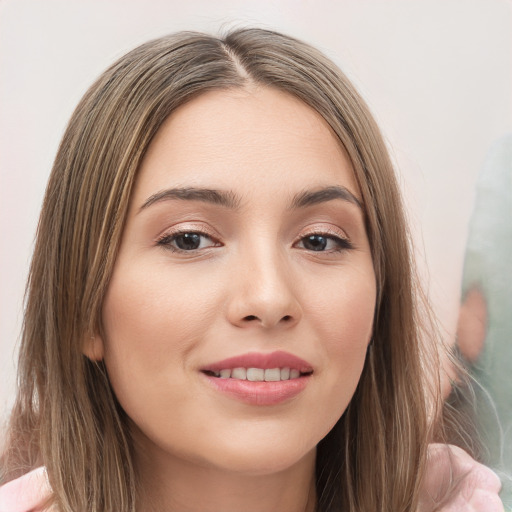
(342, 243)
(166, 240)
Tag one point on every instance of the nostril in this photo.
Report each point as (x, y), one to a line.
(253, 318)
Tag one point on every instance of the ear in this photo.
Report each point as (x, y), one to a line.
(93, 348)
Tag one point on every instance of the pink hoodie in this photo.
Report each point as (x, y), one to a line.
(26, 494)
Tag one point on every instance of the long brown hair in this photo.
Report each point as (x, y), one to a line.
(66, 415)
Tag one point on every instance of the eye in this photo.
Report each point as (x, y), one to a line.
(323, 242)
(187, 241)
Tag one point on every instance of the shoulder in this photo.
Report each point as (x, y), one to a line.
(26, 494)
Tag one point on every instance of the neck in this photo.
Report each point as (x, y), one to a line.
(170, 484)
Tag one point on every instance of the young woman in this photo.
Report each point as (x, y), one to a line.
(221, 312)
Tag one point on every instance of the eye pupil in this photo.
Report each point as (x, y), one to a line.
(315, 242)
(188, 241)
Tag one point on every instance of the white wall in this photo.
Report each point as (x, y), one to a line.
(437, 74)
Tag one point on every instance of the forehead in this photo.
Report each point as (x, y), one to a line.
(247, 139)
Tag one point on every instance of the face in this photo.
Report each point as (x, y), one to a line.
(241, 304)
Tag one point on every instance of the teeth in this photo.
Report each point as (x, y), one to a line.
(255, 374)
(273, 375)
(239, 373)
(258, 374)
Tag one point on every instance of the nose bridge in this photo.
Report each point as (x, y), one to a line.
(264, 288)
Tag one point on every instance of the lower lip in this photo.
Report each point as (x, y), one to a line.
(259, 393)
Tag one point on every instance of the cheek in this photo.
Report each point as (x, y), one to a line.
(151, 323)
(344, 321)
(146, 311)
(343, 309)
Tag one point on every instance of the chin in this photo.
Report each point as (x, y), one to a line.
(258, 454)
(263, 462)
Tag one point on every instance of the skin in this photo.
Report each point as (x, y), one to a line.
(471, 333)
(253, 285)
(472, 325)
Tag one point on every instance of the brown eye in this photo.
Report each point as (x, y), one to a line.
(324, 243)
(315, 243)
(187, 241)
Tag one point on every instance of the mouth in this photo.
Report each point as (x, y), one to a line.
(258, 374)
(259, 379)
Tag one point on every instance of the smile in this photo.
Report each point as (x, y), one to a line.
(258, 374)
(259, 379)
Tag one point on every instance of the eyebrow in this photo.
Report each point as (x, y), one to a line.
(230, 200)
(312, 197)
(207, 195)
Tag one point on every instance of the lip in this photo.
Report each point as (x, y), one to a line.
(278, 359)
(259, 393)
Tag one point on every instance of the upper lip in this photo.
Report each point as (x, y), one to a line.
(278, 359)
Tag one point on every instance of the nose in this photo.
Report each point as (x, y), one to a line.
(263, 292)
